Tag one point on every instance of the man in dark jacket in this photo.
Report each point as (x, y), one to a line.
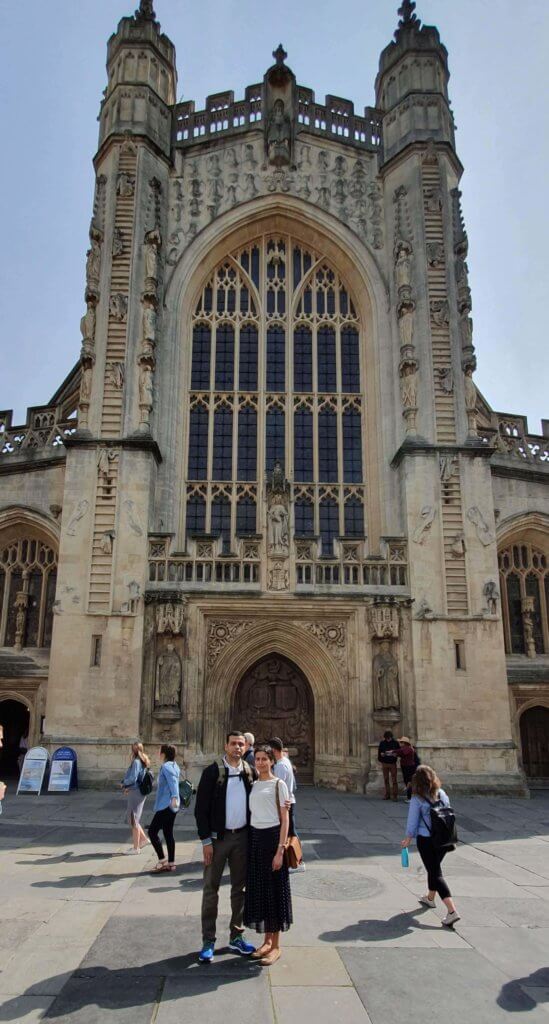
(222, 815)
(387, 759)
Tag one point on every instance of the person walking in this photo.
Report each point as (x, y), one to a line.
(249, 748)
(268, 903)
(222, 815)
(387, 759)
(166, 806)
(426, 789)
(409, 761)
(136, 801)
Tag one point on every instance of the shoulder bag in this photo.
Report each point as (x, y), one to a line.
(293, 854)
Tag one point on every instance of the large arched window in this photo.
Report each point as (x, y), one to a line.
(28, 575)
(524, 576)
(275, 375)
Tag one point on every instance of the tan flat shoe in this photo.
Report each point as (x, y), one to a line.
(271, 958)
(261, 951)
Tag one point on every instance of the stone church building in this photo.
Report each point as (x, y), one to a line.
(269, 493)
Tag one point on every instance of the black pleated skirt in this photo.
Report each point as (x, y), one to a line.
(268, 905)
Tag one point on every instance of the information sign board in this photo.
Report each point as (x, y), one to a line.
(33, 771)
(62, 771)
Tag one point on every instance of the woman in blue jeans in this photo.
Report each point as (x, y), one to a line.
(426, 789)
(166, 806)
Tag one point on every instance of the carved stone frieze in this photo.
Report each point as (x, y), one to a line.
(332, 634)
(213, 182)
(384, 621)
(221, 634)
(170, 617)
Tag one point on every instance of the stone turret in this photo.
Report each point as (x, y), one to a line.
(142, 80)
(412, 85)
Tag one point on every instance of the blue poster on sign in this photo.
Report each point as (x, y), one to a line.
(63, 772)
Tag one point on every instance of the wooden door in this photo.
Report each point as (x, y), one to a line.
(274, 699)
(534, 734)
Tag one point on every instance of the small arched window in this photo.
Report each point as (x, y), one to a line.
(524, 579)
(28, 577)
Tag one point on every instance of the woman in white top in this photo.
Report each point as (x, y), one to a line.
(268, 905)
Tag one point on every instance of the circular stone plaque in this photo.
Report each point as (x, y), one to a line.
(334, 885)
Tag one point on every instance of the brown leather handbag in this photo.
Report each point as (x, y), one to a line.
(293, 854)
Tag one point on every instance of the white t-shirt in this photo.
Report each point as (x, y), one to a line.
(235, 804)
(283, 769)
(263, 802)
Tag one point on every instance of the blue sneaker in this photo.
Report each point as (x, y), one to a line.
(206, 953)
(239, 945)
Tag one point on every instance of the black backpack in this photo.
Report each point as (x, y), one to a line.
(443, 826)
(146, 782)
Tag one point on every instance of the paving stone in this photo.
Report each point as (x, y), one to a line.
(391, 982)
(24, 1009)
(211, 997)
(513, 950)
(323, 1006)
(309, 966)
(113, 998)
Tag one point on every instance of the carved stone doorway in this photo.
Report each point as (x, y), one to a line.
(274, 699)
(534, 735)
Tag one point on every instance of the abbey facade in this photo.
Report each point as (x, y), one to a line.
(269, 494)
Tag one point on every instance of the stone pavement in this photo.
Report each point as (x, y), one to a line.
(89, 936)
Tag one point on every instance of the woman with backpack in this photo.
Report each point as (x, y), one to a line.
(426, 793)
(131, 784)
(166, 806)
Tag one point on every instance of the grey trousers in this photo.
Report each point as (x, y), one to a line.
(234, 849)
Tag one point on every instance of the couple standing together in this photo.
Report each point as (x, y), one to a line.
(243, 819)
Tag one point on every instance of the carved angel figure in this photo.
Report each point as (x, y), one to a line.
(279, 134)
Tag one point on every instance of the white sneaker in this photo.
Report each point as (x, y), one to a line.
(426, 902)
(451, 919)
(131, 852)
(294, 871)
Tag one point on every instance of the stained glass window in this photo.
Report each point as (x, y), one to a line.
(327, 446)
(303, 445)
(329, 525)
(352, 447)
(196, 514)
(326, 347)
(275, 438)
(303, 359)
(276, 359)
(247, 375)
(246, 514)
(200, 373)
(198, 444)
(222, 468)
(221, 521)
(247, 444)
(27, 567)
(224, 357)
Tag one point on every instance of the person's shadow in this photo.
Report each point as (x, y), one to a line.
(375, 929)
(515, 999)
(173, 978)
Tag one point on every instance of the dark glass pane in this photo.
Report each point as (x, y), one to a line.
(221, 521)
(208, 299)
(275, 438)
(297, 267)
(303, 359)
(248, 358)
(198, 445)
(2, 588)
(200, 373)
(308, 301)
(255, 266)
(247, 444)
(330, 301)
(276, 358)
(196, 515)
(352, 447)
(244, 300)
(327, 447)
(304, 518)
(246, 517)
(33, 609)
(326, 350)
(303, 445)
(354, 518)
(329, 525)
(532, 590)
(223, 447)
(350, 362)
(515, 614)
(16, 585)
(343, 302)
(224, 357)
(50, 598)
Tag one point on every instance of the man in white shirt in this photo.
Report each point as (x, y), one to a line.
(283, 769)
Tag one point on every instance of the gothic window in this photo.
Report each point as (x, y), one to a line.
(28, 576)
(276, 374)
(524, 579)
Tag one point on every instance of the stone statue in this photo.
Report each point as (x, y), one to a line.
(408, 386)
(528, 610)
(146, 386)
(125, 184)
(149, 323)
(446, 379)
(457, 549)
(117, 242)
(490, 591)
(440, 314)
(118, 306)
(86, 383)
(278, 529)
(279, 135)
(87, 325)
(116, 375)
(470, 392)
(78, 514)
(153, 241)
(168, 680)
(385, 679)
(21, 601)
(403, 265)
(105, 543)
(484, 533)
(425, 521)
(406, 322)
(93, 261)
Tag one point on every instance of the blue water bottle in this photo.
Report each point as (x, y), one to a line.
(404, 858)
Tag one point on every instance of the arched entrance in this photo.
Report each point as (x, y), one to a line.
(274, 699)
(534, 735)
(15, 717)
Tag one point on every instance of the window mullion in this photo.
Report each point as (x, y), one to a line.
(340, 470)
(42, 609)
(5, 603)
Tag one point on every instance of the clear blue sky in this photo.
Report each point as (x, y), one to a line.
(52, 73)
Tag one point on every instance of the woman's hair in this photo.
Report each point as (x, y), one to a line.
(169, 751)
(425, 782)
(264, 748)
(138, 751)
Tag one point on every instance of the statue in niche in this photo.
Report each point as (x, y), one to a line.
(490, 591)
(149, 323)
(424, 523)
(446, 379)
(385, 679)
(278, 529)
(146, 386)
(168, 680)
(403, 265)
(484, 533)
(153, 241)
(125, 184)
(408, 386)
(279, 136)
(93, 260)
(406, 322)
(86, 383)
(470, 392)
(87, 325)
(116, 375)
(117, 242)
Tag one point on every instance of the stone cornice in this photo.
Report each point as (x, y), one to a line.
(419, 147)
(419, 446)
(135, 442)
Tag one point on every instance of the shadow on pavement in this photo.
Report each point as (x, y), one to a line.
(372, 929)
(538, 980)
